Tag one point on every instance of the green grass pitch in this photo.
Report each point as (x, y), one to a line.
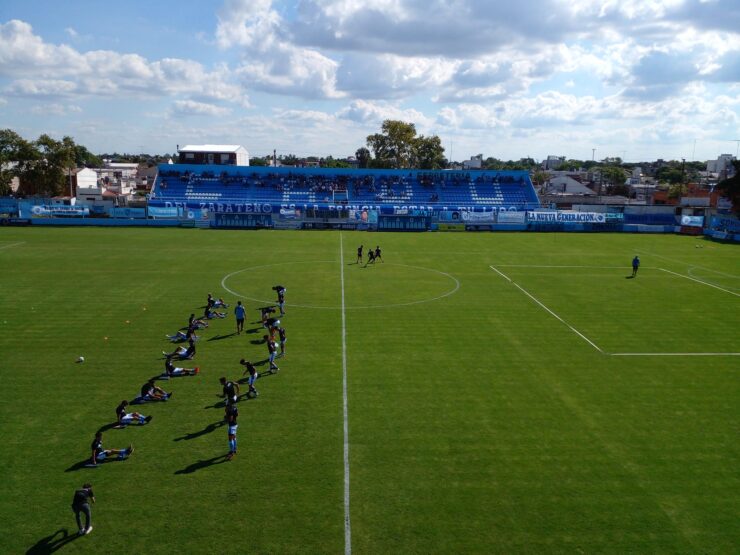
(507, 393)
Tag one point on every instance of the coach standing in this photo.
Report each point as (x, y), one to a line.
(80, 504)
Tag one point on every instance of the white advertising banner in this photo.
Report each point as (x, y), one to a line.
(566, 216)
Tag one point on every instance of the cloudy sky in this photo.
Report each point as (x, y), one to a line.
(640, 79)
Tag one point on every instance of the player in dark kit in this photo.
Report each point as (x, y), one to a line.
(99, 454)
(283, 340)
(230, 391)
(80, 504)
(370, 257)
(635, 265)
(231, 415)
(377, 254)
(124, 418)
(280, 290)
(272, 352)
(253, 375)
(359, 254)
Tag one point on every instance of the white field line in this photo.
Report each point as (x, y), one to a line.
(347, 526)
(12, 245)
(686, 264)
(557, 266)
(674, 354)
(702, 282)
(574, 330)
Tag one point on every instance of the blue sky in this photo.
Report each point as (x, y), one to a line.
(641, 79)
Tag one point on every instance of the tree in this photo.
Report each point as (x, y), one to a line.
(13, 150)
(539, 177)
(613, 175)
(330, 162)
(393, 147)
(428, 153)
(84, 157)
(363, 157)
(730, 188)
(257, 161)
(44, 169)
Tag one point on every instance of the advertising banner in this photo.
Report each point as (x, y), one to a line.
(692, 221)
(478, 217)
(512, 217)
(565, 216)
(53, 211)
(163, 212)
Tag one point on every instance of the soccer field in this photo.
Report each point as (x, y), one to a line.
(505, 393)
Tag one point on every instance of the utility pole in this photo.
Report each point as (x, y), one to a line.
(593, 154)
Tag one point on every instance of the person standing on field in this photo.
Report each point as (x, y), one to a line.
(635, 265)
(80, 504)
(240, 313)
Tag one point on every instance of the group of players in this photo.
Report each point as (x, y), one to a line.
(151, 392)
(230, 388)
(372, 255)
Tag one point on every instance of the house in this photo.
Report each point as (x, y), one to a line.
(566, 185)
(230, 155)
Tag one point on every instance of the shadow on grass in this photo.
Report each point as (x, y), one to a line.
(106, 427)
(253, 330)
(630, 277)
(198, 465)
(223, 336)
(207, 430)
(258, 342)
(51, 543)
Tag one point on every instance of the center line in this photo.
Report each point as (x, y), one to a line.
(347, 526)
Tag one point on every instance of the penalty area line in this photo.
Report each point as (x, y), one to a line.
(12, 245)
(574, 330)
(700, 281)
(674, 354)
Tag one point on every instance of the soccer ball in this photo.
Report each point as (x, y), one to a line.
(80, 359)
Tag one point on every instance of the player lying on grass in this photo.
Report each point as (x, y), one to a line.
(197, 323)
(151, 392)
(99, 454)
(171, 371)
(215, 303)
(125, 418)
(210, 314)
(180, 336)
(182, 353)
(253, 375)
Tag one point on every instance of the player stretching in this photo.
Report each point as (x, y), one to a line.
(253, 375)
(99, 454)
(272, 351)
(283, 339)
(230, 391)
(635, 265)
(359, 254)
(231, 413)
(280, 290)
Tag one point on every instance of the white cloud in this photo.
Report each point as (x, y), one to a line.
(185, 108)
(40, 69)
(55, 109)
(71, 32)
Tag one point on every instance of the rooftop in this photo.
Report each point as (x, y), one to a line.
(210, 148)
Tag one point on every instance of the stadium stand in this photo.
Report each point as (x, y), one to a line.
(195, 184)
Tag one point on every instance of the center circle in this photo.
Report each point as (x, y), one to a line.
(383, 285)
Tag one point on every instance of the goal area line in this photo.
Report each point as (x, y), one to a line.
(581, 335)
